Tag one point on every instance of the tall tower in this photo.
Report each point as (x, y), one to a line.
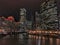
(22, 15)
(37, 20)
(22, 19)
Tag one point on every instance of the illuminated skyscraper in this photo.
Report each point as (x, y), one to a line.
(22, 19)
(22, 15)
(37, 20)
(49, 15)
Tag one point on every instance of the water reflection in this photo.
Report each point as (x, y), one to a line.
(34, 40)
(46, 40)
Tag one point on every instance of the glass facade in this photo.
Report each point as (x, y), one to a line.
(48, 15)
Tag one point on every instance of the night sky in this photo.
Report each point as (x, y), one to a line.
(11, 7)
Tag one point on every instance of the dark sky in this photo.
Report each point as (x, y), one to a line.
(11, 7)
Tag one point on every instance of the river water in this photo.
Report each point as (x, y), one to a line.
(16, 40)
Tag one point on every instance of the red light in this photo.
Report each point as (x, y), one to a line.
(11, 18)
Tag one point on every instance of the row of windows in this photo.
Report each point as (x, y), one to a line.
(48, 4)
(48, 13)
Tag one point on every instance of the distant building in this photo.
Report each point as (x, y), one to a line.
(22, 19)
(22, 14)
(37, 20)
(29, 25)
(49, 15)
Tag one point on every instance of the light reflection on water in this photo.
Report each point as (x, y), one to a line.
(46, 40)
(31, 41)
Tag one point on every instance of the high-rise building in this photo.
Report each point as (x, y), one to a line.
(22, 19)
(22, 15)
(49, 15)
(37, 20)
